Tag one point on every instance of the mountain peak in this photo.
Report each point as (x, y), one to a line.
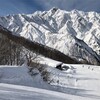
(54, 9)
(60, 29)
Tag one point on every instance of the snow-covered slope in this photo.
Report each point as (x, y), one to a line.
(19, 75)
(80, 82)
(74, 33)
(15, 92)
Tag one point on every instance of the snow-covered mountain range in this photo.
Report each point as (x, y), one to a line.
(75, 33)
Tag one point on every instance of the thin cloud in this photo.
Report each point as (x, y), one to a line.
(85, 5)
(29, 6)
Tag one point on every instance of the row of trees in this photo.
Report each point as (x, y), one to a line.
(12, 53)
(34, 47)
(15, 49)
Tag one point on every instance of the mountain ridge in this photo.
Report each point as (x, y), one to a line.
(60, 30)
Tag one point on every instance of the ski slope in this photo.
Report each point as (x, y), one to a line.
(80, 82)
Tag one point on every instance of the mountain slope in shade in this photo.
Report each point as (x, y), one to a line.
(74, 33)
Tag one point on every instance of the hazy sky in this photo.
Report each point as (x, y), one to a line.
(29, 6)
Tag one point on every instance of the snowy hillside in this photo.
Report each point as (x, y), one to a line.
(74, 33)
(80, 82)
(15, 92)
(19, 75)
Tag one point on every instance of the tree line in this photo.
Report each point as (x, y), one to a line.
(12, 49)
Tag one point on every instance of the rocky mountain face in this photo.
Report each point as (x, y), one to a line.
(74, 33)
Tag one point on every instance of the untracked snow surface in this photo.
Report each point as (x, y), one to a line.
(80, 82)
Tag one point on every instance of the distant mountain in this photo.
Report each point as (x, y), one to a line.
(74, 33)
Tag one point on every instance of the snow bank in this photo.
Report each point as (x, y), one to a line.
(19, 75)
